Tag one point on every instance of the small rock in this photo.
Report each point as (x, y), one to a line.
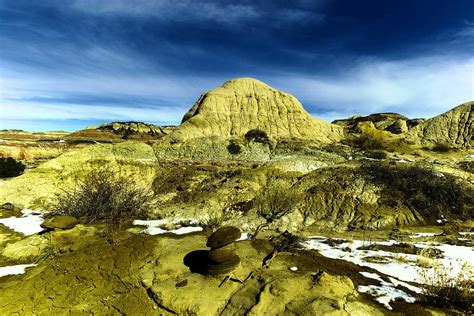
(60, 222)
(182, 283)
(222, 268)
(221, 255)
(9, 210)
(223, 236)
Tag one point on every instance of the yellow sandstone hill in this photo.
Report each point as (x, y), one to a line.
(245, 104)
(453, 128)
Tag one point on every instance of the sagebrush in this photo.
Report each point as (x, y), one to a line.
(445, 289)
(274, 201)
(10, 167)
(102, 195)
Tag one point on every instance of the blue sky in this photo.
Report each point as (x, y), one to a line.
(67, 64)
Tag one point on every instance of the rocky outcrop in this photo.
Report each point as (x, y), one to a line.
(135, 130)
(453, 128)
(246, 104)
(37, 188)
(390, 122)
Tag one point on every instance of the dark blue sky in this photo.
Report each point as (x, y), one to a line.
(65, 64)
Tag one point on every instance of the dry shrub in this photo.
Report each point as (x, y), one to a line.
(234, 148)
(367, 142)
(257, 136)
(274, 201)
(102, 195)
(419, 188)
(441, 148)
(444, 290)
(10, 167)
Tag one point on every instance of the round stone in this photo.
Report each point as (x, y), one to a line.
(220, 255)
(60, 222)
(222, 268)
(223, 236)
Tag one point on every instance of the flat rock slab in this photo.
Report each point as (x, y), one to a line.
(223, 236)
(60, 222)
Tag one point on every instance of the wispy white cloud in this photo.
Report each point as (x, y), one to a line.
(58, 111)
(170, 9)
(195, 10)
(417, 88)
(421, 87)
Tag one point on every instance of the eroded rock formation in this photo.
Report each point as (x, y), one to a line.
(245, 104)
(453, 128)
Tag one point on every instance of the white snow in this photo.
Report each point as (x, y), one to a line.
(17, 269)
(177, 226)
(402, 266)
(294, 269)
(178, 231)
(419, 235)
(466, 233)
(385, 293)
(151, 222)
(397, 282)
(28, 224)
(245, 236)
(371, 275)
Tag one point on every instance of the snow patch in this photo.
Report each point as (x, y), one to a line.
(401, 266)
(177, 226)
(28, 224)
(370, 275)
(419, 235)
(245, 236)
(384, 294)
(17, 269)
(178, 231)
(294, 269)
(404, 284)
(387, 291)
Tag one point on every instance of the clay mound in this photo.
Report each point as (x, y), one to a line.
(390, 122)
(122, 130)
(245, 104)
(132, 130)
(453, 128)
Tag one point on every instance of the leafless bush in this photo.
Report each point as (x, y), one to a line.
(445, 290)
(103, 195)
(275, 201)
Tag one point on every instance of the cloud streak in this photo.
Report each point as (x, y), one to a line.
(417, 87)
(104, 60)
(223, 12)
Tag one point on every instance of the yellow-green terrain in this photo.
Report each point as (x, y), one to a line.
(384, 195)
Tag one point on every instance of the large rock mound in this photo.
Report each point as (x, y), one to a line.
(453, 128)
(391, 122)
(246, 104)
(131, 130)
(122, 130)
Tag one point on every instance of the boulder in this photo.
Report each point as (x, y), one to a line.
(60, 222)
(223, 267)
(223, 236)
(221, 255)
(399, 127)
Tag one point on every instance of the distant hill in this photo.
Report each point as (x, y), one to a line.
(453, 128)
(245, 104)
(123, 130)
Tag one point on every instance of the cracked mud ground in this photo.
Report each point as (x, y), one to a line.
(119, 272)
